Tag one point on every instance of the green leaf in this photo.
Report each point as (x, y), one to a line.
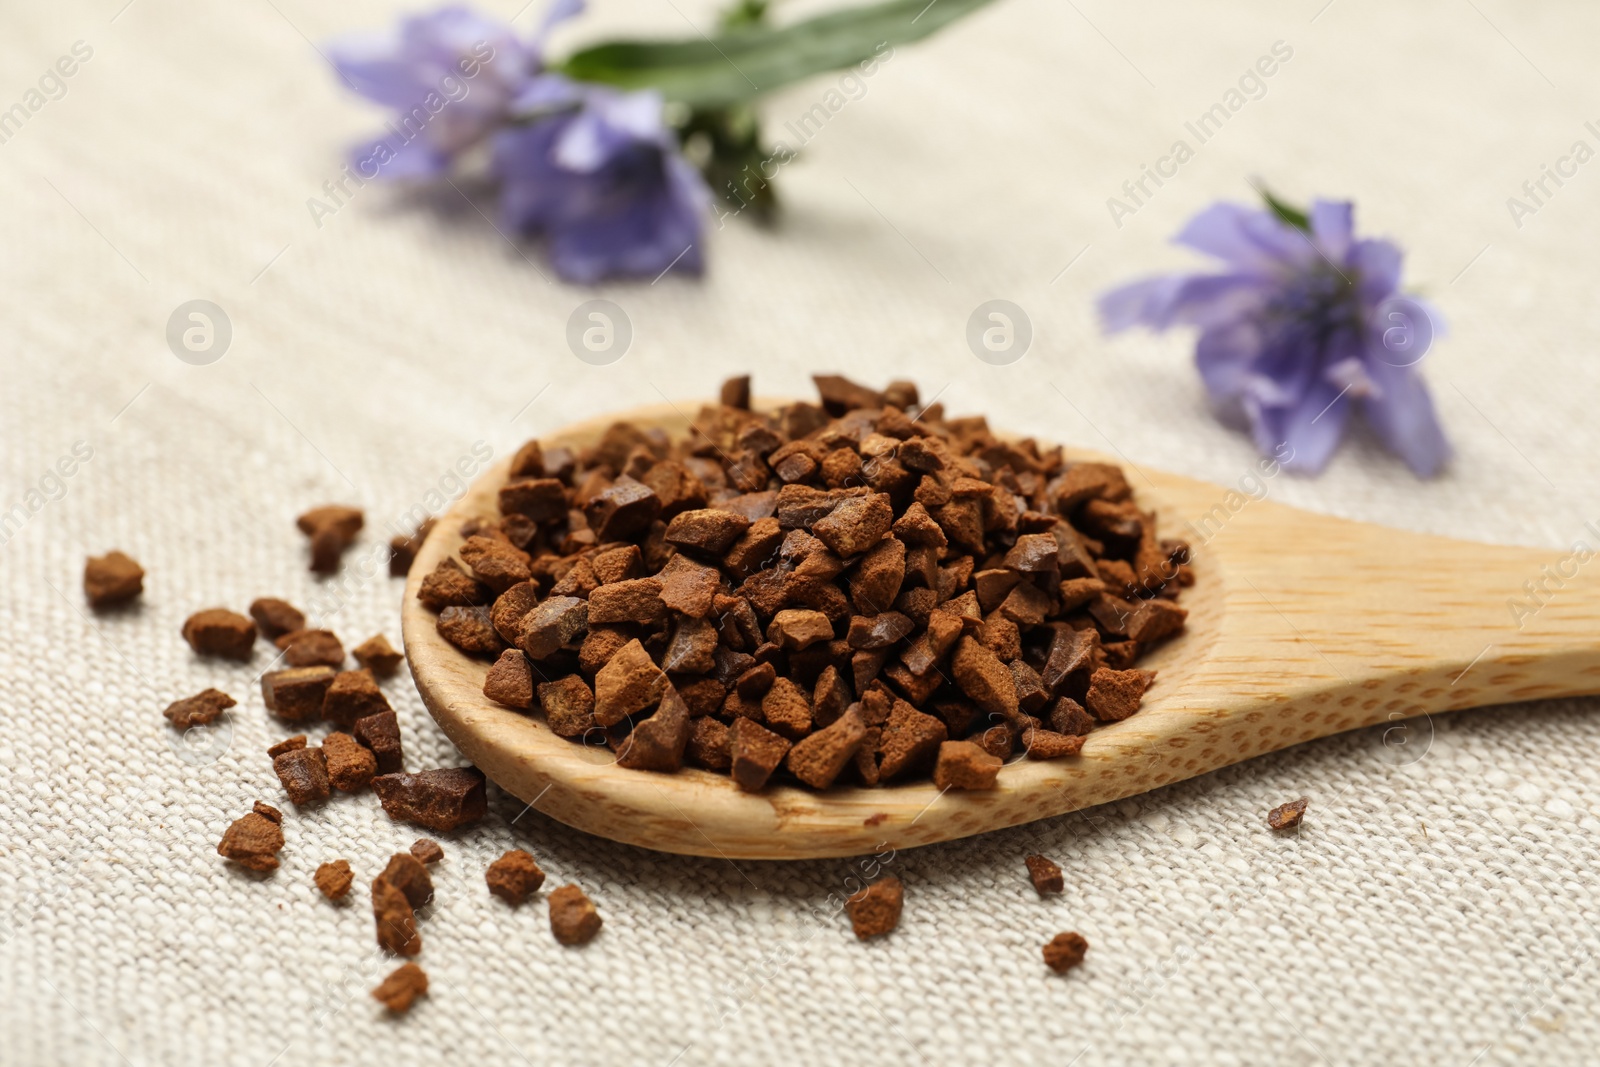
(1294, 216)
(743, 62)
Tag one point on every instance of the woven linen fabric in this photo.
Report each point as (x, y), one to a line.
(1437, 906)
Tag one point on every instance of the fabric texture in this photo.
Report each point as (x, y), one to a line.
(1437, 905)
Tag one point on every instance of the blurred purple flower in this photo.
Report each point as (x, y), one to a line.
(598, 173)
(451, 77)
(1306, 324)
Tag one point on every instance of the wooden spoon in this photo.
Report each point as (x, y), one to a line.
(1300, 626)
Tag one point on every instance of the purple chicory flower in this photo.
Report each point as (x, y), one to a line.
(451, 76)
(1304, 325)
(598, 173)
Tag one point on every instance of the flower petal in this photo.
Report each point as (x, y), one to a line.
(1403, 417)
(1224, 355)
(381, 160)
(1193, 299)
(1247, 239)
(1309, 431)
(1333, 225)
(1376, 265)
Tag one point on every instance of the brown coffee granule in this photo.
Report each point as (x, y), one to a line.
(353, 695)
(202, 708)
(626, 685)
(1047, 744)
(513, 876)
(410, 875)
(427, 850)
(1065, 951)
(288, 744)
(756, 752)
(266, 810)
(1114, 695)
(568, 705)
(509, 681)
(710, 744)
(657, 743)
(296, 694)
(819, 758)
(910, 740)
(471, 630)
(111, 579)
(441, 800)
(275, 617)
(304, 774)
(332, 528)
(378, 656)
(220, 632)
(573, 918)
(450, 586)
(351, 766)
(963, 765)
(400, 990)
(311, 648)
(875, 909)
(1045, 875)
(381, 734)
(403, 549)
(1287, 816)
(334, 879)
(394, 918)
(253, 841)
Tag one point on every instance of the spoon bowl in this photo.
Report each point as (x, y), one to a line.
(1300, 626)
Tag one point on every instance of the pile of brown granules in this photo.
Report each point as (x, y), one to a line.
(859, 591)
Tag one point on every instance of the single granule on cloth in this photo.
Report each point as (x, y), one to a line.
(254, 841)
(311, 648)
(394, 918)
(352, 696)
(378, 656)
(199, 709)
(331, 528)
(573, 918)
(1065, 951)
(334, 878)
(288, 744)
(441, 800)
(381, 734)
(513, 876)
(220, 632)
(427, 850)
(1287, 816)
(297, 694)
(777, 565)
(304, 774)
(351, 765)
(410, 875)
(875, 909)
(275, 617)
(401, 989)
(111, 579)
(1045, 875)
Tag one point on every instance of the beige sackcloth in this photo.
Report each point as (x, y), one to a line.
(1437, 907)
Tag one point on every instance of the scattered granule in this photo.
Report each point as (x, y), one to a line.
(275, 617)
(351, 765)
(288, 744)
(657, 743)
(818, 759)
(202, 708)
(513, 876)
(1064, 952)
(400, 990)
(378, 656)
(334, 879)
(550, 626)
(1115, 695)
(1287, 816)
(410, 875)
(787, 709)
(756, 752)
(395, 920)
(1047, 744)
(311, 648)
(573, 918)
(304, 774)
(509, 681)
(253, 841)
(296, 694)
(220, 632)
(111, 579)
(496, 563)
(427, 850)
(963, 765)
(450, 586)
(1045, 875)
(381, 734)
(875, 910)
(441, 800)
(710, 744)
(353, 695)
(332, 528)
(568, 705)
(736, 392)
(629, 683)
(471, 630)
(267, 811)
(403, 549)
